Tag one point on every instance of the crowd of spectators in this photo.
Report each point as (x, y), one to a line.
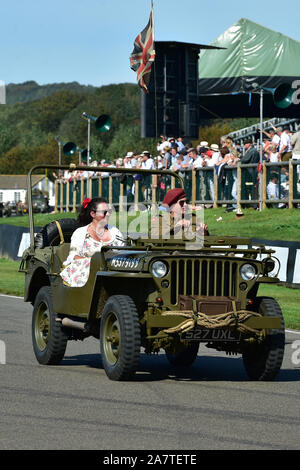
(279, 145)
(172, 154)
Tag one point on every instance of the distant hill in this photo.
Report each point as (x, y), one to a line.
(30, 91)
(35, 114)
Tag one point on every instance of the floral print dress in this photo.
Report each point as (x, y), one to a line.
(77, 272)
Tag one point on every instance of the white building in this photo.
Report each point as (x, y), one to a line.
(14, 187)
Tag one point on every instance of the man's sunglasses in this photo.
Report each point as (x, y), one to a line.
(182, 202)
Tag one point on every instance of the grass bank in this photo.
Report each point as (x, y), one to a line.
(12, 282)
(270, 224)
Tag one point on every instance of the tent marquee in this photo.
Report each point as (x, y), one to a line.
(252, 54)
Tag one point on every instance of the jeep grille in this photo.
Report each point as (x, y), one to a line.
(203, 277)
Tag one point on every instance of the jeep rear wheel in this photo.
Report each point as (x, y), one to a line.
(186, 357)
(263, 361)
(48, 339)
(120, 337)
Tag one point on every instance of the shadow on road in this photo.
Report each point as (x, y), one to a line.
(205, 368)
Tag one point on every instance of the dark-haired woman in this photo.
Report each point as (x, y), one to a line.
(93, 233)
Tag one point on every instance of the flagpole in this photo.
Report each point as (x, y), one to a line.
(155, 97)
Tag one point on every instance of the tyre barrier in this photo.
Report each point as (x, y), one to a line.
(14, 240)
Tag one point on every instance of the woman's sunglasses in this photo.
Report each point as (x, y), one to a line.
(109, 211)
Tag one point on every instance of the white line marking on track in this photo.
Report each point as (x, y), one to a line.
(11, 296)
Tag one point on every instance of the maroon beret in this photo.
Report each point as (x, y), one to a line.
(173, 196)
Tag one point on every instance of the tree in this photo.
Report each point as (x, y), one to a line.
(127, 139)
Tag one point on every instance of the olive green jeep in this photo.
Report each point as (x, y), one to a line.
(158, 294)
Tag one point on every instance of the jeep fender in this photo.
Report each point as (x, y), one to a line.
(107, 283)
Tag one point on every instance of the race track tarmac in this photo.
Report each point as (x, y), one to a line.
(212, 405)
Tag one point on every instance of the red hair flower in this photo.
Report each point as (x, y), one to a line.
(86, 202)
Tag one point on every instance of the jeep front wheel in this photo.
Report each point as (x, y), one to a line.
(48, 339)
(120, 337)
(263, 361)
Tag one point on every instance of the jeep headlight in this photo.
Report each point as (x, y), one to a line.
(159, 269)
(248, 272)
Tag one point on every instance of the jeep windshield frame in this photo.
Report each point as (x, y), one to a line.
(73, 167)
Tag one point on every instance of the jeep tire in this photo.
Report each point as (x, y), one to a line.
(186, 357)
(120, 337)
(48, 338)
(263, 361)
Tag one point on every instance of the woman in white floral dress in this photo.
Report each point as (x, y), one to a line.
(93, 233)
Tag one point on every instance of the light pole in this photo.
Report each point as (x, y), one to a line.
(261, 107)
(102, 124)
(88, 118)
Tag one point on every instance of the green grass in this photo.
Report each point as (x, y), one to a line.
(12, 282)
(288, 299)
(39, 219)
(270, 224)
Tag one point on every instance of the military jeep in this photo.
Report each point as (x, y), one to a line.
(156, 294)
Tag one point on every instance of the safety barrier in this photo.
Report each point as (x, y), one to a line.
(231, 185)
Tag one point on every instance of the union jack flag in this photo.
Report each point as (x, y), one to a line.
(143, 54)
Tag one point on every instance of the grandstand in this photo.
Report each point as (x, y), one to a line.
(252, 132)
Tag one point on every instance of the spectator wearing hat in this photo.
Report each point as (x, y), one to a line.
(173, 143)
(159, 162)
(126, 162)
(119, 162)
(133, 160)
(214, 157)
(204, 144)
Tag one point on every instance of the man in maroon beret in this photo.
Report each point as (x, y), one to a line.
(173, 196)
(175, 203)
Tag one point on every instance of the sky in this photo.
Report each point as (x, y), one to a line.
(90, 41)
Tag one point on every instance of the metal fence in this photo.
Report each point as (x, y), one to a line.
(238, 186)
